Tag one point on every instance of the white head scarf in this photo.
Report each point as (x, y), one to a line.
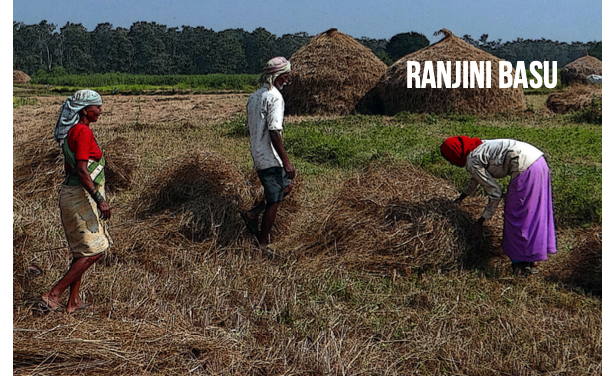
(69, 111)
(274, 68)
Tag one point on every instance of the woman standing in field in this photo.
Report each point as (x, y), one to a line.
(528, 233)
(82, 195)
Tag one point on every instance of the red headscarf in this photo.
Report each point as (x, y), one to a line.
(456, 149)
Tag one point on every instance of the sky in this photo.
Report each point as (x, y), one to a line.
(563, 21)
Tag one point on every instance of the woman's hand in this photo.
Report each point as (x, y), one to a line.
(105, 210)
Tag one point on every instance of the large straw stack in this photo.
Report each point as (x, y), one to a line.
(331, 75)
(396, 97)
(579, 70)
(20, 78)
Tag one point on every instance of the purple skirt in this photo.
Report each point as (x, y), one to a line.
(528, 233)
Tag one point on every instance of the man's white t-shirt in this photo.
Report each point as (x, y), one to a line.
(265, 111)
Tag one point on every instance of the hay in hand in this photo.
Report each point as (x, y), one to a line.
(396, 97)
(575, 98)
(578, 70)
(331, 75)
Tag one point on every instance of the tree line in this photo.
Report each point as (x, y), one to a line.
(154, 49)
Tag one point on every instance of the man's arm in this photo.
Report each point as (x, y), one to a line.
(277, 143)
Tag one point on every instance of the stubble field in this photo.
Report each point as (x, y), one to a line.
(375, 273)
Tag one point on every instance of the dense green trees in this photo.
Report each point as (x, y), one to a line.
(154, 49)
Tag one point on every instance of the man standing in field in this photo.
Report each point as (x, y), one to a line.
(265, 111)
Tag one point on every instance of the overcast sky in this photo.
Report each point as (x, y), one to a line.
(563, 20)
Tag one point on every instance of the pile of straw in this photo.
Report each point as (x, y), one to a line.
(582, 266)
(331, 75)
(396, 97)
(394, 220)
(20, 78)
(202, 193)
(121, 165)
(575, 98)
(578, 70)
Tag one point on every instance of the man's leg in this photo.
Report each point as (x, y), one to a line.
(253, 214)
(71, 278)
(269, 216)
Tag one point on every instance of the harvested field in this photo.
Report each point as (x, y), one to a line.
(376, 272)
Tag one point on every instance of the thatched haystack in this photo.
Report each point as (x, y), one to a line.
(122, 162)
(20, 78)
(396, 97)
(575, 98)
(331, 75)
(578, 70)
(394, 220)
(202, 194)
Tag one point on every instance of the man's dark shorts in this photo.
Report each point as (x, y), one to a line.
(274, 182)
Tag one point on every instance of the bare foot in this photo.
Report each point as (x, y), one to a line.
(51, 301)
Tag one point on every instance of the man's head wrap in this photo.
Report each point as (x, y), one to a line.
(274, 68)
(69, 111)
(456, 149)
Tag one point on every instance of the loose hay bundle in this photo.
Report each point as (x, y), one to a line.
(203, 192)
(121, 164)
(396, 97)
(578, 70)
(575, 98)
(20, 78)
(396, 219)
(331, 75)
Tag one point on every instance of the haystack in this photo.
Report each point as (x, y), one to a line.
(331, 75)
(20, 78)
(575, 98)
(395, 220)
(396, 97)
(579, 70)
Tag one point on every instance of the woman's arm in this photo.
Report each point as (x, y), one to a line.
(88, 185)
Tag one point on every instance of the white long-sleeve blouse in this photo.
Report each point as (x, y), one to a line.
(495, 159)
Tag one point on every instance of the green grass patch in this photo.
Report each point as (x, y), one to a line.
(18, 102)
(573, 150)
(123, 83)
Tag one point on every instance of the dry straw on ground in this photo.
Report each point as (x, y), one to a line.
(121, 164)
(20, 78)
(578, 70)
(331, 75)
(393, 220)
(575, 98)
(205, 190)
(396, 97)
